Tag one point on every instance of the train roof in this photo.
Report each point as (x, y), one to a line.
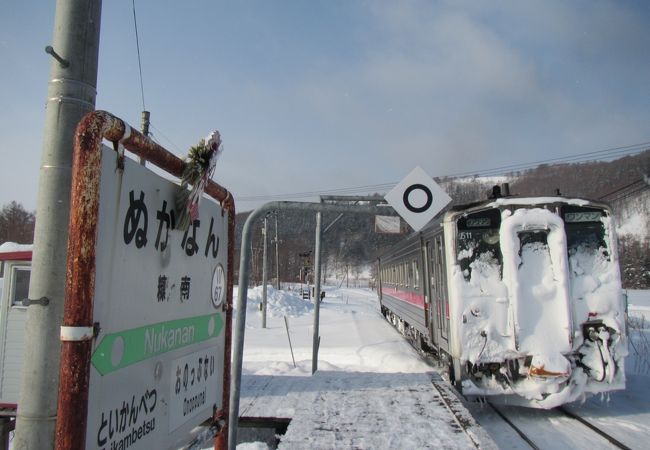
(527, 200)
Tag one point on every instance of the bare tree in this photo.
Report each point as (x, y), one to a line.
(16, 224)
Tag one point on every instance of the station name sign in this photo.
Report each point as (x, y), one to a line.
(157, 362)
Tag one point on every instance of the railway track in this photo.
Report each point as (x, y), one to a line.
(531, 429)
(464, 422)
(523, 421)
(594, 428)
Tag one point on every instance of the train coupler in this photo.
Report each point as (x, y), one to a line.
(595, 355)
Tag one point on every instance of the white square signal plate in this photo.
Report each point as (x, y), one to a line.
(417, 198)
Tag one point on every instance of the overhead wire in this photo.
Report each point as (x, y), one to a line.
(137, 44)
(629, 194)
(176, 147)
(588, 156)
(598, 155)
(627, 186)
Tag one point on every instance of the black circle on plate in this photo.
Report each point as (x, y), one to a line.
(426, 191)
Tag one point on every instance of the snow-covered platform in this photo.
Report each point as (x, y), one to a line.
(336, 410)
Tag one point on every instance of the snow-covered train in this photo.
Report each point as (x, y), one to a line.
(520, 297)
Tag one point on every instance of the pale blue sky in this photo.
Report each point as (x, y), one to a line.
(319, 95)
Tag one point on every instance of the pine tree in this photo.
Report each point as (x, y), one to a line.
(16, 224)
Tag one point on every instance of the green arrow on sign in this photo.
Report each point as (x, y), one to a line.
(121, 349)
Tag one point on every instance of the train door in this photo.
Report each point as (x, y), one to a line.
(380, 279)
(426, 287)
(440, 286)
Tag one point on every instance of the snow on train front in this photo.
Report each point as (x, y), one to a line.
(535, 294)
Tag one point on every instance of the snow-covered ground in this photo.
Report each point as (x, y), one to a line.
(372, 390)
(354, 336)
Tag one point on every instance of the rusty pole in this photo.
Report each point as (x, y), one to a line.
(77, 329)
(70, 95)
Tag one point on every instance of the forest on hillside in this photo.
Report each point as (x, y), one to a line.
(352, 242)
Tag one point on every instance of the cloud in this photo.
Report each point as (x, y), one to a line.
(486, 81)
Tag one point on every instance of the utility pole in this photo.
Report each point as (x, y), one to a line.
(277, 255)
(264, 233)
(71, 95)
(144, 125)
(316, 338)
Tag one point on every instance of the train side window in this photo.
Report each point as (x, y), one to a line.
(409, 271)
(431, 260)
(443, 274)
(19, 285)
(416, 275)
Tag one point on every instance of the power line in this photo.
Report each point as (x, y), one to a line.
(176, 147)
(589, 156)
(640, 180)
(604, 154)
(629, 194)
(137, 44)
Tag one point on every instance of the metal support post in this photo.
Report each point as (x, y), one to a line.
(316, 338)
(144, 126)
(277, 255)
(71, 94)
(265, 234)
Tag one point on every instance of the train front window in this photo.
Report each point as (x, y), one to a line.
(478, 242)
(585, 231)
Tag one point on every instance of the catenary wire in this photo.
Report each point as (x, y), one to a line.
(627, 186)
(628, 150)
(137, 44)
(598, 155)
(158, 131)
(589, 156)
(629, 194)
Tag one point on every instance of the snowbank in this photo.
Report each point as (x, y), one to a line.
(278, 303)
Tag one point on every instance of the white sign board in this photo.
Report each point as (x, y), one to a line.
(388, 224)
(157, 362)
(417, 198)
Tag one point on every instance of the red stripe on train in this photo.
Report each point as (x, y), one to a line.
(414, 298)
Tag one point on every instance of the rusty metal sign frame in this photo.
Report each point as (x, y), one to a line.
(75, 363)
